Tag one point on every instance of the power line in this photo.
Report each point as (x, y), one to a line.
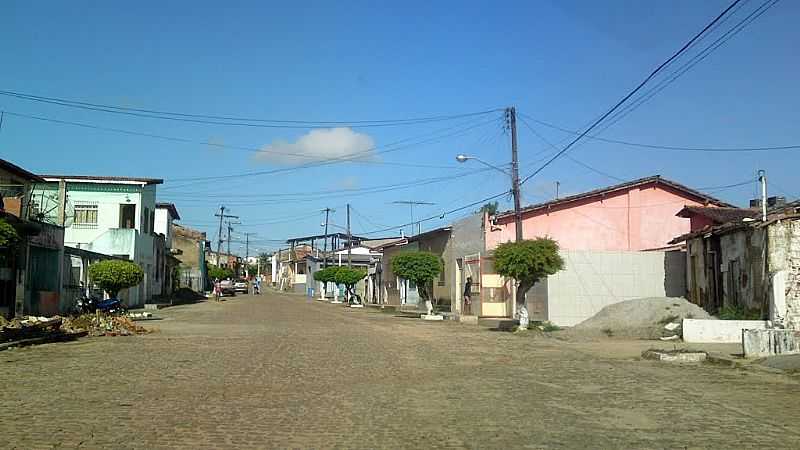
(182, 140)
(575, 160)
(631, 93)
(235, 121)
(700, 56)
(664, 147)
(353, 157)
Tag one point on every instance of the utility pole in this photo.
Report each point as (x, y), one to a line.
(325, 244)
(558, 185)
(349, 240)
(230, 228)
(411, 203)
(762, 177)
(512, 121)
(247, 253)
(222, 216)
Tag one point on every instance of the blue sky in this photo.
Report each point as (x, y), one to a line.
(561, 62)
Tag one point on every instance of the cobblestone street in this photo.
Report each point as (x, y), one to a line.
(278, 371)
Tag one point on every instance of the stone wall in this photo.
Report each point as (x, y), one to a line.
(784, 268)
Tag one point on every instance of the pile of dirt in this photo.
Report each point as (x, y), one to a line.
(103, 325)
(642, 318)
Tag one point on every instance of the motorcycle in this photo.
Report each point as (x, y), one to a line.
(86, 304)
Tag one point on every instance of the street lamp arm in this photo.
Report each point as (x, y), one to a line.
(463, 158)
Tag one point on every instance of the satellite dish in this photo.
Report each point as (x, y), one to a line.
(44, 208)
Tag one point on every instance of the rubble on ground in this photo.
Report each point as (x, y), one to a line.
(643, 318)
(103, 325)
(32, 329)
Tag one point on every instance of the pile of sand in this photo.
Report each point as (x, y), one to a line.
(641, 318)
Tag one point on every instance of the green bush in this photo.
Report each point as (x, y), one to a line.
(220, 273)
(8, 235)
(738, 313)
(528, 261)
(419, 267)
(326, 275)
(348, 276)
(113, 275)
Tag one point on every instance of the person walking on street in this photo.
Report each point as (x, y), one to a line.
(217, 289)
(468, 297)
(257, 286)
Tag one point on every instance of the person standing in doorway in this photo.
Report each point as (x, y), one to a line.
(468, 297)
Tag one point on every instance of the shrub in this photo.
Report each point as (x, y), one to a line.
(326, 275)
(219, 273)
(419, 267)
(113, 275)
(738, 313)
(8, 235)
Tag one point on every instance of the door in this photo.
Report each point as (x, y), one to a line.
(127, 216)
(408, 292)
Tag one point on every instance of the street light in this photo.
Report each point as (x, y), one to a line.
(464, 158)
(514, 174)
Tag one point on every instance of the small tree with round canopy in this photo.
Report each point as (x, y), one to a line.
(325, 276)
(527, 262)
(421, 268)
(349, 277)
(114, 275)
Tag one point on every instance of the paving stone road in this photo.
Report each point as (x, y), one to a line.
(280, 371)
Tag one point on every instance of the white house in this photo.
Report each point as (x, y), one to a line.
(110, 215)
(166, 213)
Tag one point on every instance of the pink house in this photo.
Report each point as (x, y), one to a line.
(632, 216)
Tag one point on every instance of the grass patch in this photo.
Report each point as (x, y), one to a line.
(738, 313)
(544, 326)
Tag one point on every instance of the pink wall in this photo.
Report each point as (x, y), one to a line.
(640, 218)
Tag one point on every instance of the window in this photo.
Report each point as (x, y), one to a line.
(441, 276)
(85, 216)
(127, 216)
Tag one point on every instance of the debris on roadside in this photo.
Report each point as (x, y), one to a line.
(105, 325)
(677, 355)
(644, 318)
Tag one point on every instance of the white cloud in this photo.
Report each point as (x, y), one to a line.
(317, 145)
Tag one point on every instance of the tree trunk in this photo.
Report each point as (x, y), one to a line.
(522, 308)
(423, 293)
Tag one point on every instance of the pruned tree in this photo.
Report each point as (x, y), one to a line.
(219, 273)
(421, 268)
(527, 262)
(325, 276)
(114, 275)
(349, 277)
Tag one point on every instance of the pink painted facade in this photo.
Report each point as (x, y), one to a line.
(634, 216)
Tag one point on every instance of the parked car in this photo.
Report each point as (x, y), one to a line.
(227, 287)
(240, 285)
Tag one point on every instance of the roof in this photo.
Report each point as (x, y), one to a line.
(655, 179)
(323, 236)
(719, 215)
(732, 226)
(171, 208)
(429, 233)
(19, 171)
(103, 179)
(374, 244)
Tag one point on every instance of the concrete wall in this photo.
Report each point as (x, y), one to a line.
(163, 225)
(704, 331)
(466, 240)
(784, 269)
(637, 219)
(592, 280)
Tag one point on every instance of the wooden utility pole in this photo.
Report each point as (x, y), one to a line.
(325, 243)
(222, 216)
(349, 240)
(512, 121)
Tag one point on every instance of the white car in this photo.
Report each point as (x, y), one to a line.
(240, 286)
